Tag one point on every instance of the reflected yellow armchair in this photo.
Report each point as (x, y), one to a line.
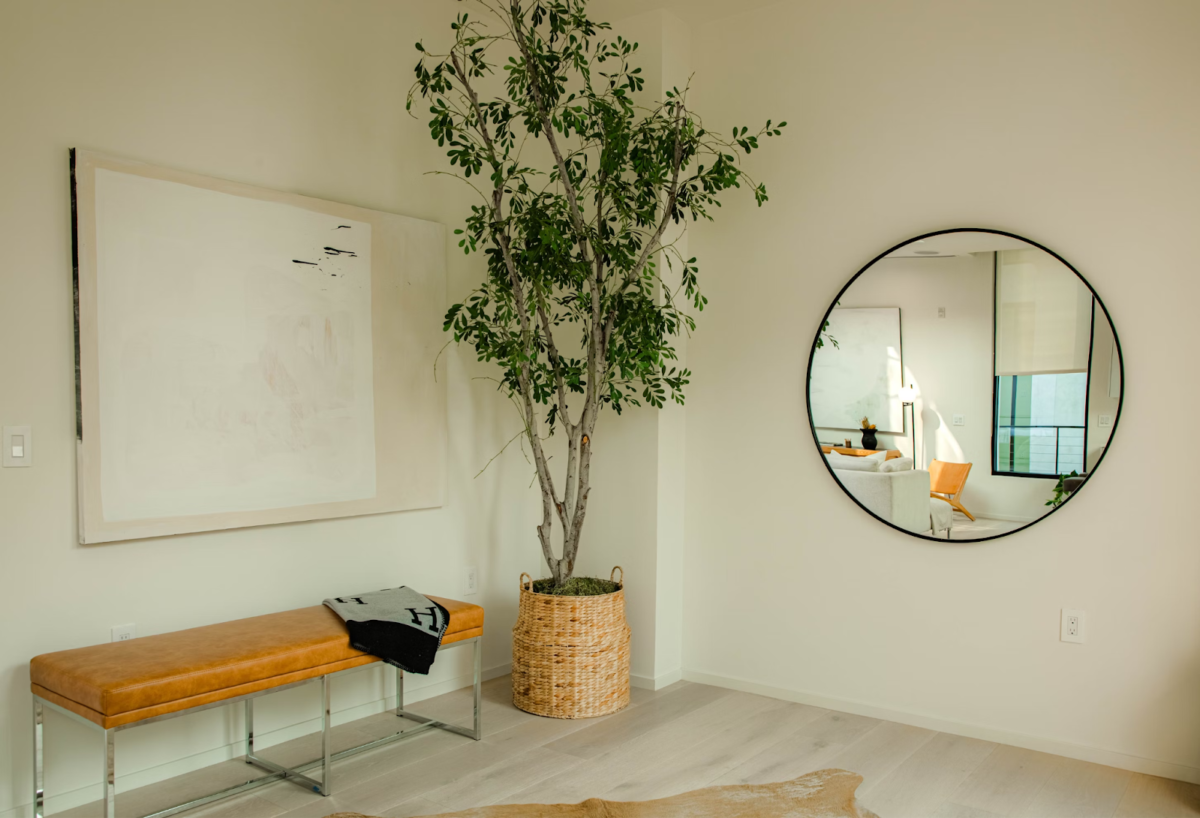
(946, 482)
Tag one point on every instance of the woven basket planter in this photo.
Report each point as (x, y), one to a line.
(571, 653)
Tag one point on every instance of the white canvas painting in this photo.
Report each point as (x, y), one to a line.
(236, 338)
(862, 375)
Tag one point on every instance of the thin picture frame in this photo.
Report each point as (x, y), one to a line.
(407, 298)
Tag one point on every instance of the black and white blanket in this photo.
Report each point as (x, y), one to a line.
(400, 626)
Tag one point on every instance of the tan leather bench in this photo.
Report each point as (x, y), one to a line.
(116, 686)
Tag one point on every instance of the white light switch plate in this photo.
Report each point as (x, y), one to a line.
(1105, 421)
(18, 447)
(959, 420)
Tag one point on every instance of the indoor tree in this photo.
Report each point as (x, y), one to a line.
(576, 309)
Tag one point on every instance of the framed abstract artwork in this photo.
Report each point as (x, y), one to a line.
(861, 374)
(248, 357)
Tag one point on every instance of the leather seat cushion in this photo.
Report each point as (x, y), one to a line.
(201, 665)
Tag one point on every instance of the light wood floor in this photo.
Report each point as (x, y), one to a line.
(967, 529)
(676, 739)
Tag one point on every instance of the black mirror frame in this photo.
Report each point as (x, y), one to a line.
(812, 354)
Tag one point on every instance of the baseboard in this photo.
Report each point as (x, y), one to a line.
(1082, 752)
(656, 682)
(161, 772)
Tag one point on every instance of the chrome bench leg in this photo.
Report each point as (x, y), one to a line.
(294, 775)
(399, 691)
(478, 689)
(475, 731)
(110, 774)
(249, 730)
(326, 743)
(39, 762)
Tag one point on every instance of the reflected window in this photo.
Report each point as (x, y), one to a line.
(1043, 343)
(1041, 422)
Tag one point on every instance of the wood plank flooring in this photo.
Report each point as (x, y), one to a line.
(677, 739)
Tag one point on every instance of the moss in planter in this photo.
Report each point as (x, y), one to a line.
(576, 586)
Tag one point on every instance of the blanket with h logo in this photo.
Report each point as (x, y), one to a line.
(399, 625)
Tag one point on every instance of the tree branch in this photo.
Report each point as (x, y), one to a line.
(550, 262)
(550, 501)
(672, 198)
(548, 129)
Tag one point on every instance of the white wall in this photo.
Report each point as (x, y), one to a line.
(297, 95)
(639, 458)
(1064, 122)
(949, 361)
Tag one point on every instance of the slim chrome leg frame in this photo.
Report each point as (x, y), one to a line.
(275, 771)
(249, 730)
(478, 690)
(294, 776)
(110, 774)
(476, 731)
(109, 791)
(399, 691)
(39, 762)
(272, 767)
(424, 723)
(326, 742)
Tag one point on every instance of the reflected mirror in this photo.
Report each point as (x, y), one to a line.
(964, 385)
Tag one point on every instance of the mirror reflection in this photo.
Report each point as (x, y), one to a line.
(965, 385)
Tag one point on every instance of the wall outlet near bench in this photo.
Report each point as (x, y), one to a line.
(123, 633)
(470, 581)
(1073, 626)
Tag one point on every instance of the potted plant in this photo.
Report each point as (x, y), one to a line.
(578, 308)
(869, 440)
(1060, 492)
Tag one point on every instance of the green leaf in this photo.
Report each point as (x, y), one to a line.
(531, 318)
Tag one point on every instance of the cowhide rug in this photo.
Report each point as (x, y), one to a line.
(823, 794)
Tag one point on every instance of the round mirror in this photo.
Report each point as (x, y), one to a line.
(965, 384)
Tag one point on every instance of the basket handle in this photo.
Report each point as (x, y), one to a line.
(524, 577)
(613, 576)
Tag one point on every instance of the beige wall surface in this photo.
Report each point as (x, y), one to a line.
(302, 96)
(1068, 122)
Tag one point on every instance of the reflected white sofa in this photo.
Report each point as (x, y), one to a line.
(900, 497)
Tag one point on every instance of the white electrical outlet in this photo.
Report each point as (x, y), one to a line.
(1105, 421)
(959, 420)
(123, 633)
(471, 581)
(1073, 626)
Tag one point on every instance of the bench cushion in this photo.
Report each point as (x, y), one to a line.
(121, 683)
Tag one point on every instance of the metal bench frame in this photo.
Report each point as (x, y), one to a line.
(275, 772)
